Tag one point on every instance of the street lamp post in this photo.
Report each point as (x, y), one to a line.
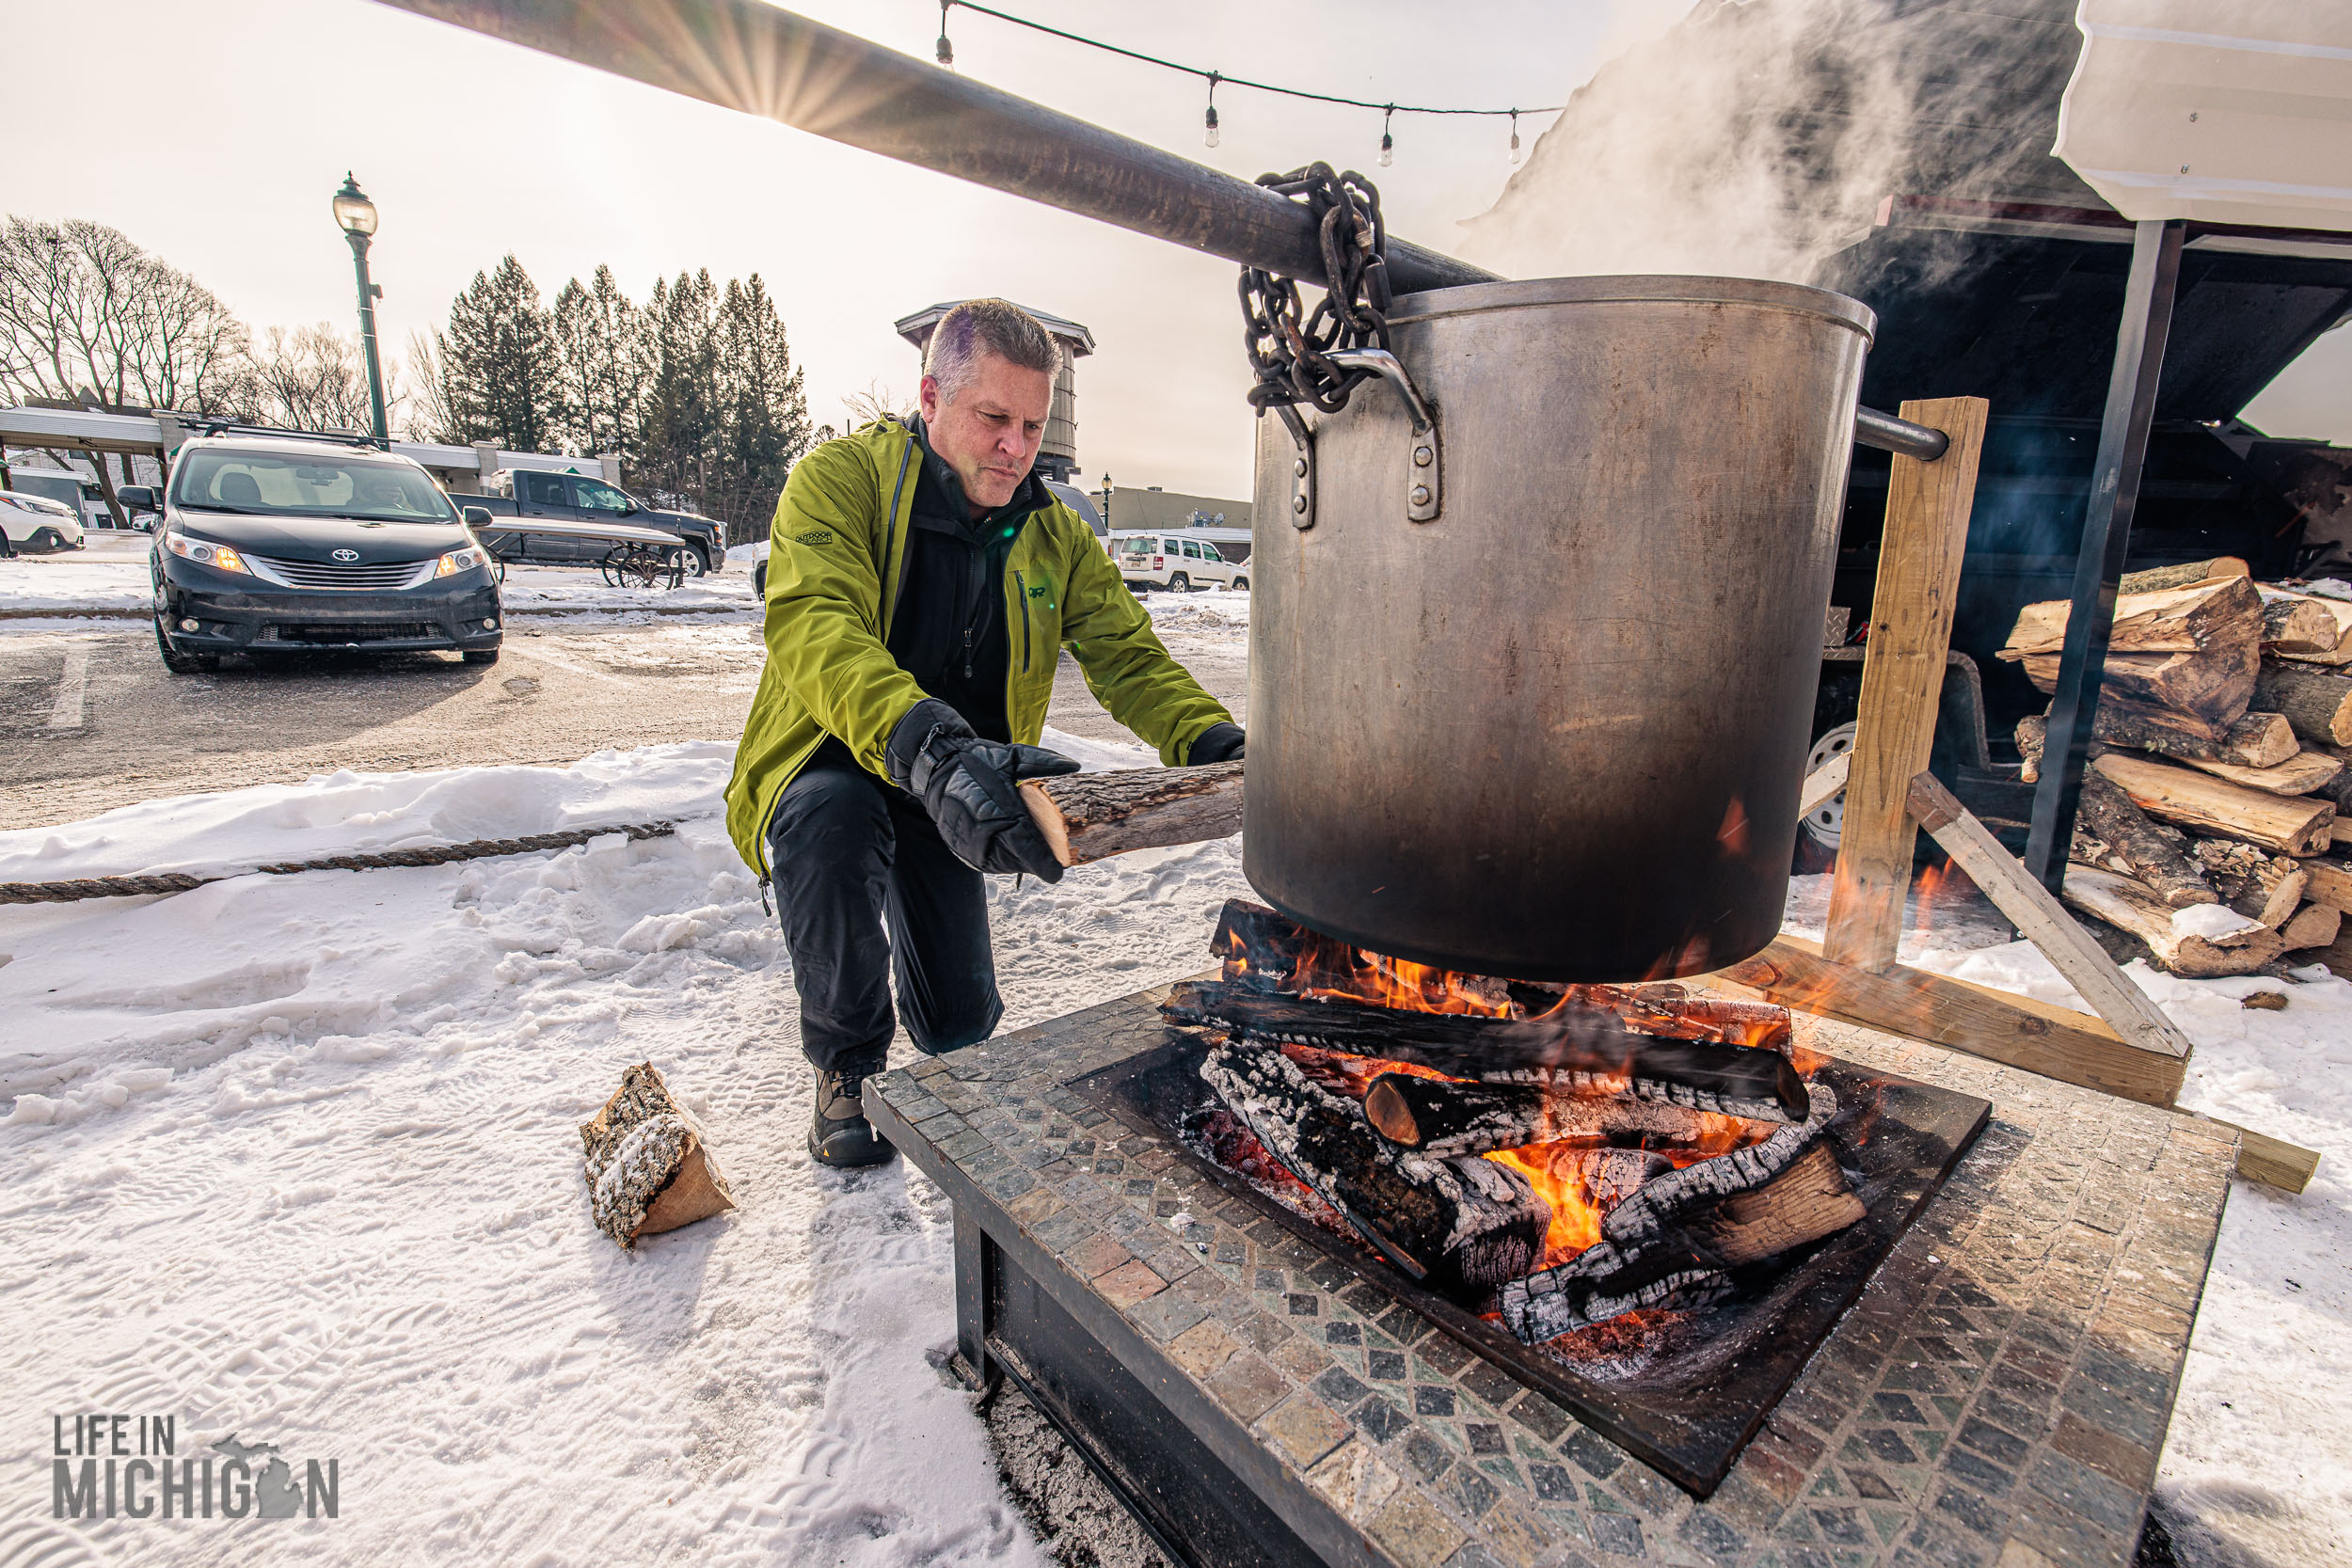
(357, 214)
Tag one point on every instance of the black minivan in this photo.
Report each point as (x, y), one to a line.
(291, 543)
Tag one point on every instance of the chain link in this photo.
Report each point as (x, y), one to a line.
(1288, 354)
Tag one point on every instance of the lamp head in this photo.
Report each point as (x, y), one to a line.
(352, 209)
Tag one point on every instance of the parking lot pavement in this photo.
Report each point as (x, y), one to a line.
(90, 719)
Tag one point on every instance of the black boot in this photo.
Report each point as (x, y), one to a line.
(840, 1135)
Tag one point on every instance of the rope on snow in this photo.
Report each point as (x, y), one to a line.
(432, 854)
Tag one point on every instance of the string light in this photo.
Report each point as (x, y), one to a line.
(1388, 111)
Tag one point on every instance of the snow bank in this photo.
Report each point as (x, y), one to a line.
(1213, 610)
(75, 581)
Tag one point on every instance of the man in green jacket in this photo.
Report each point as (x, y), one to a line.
(922, 581)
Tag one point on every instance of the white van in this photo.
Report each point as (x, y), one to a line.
(1173, 562)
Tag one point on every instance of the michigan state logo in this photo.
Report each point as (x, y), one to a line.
(814, 536)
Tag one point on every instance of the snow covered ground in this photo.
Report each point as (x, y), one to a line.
(112, 575)
(294, 1159)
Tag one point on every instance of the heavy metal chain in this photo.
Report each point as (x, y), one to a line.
(1287, 355)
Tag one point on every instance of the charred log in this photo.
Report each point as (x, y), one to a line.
(1655, 1245)
(1442, 1117)
(1464, 1225)
(1575, 1048)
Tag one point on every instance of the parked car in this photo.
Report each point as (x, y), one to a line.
(574, 497)
(1173, 562)
(64, 486)
(35, 524)
(290, 543)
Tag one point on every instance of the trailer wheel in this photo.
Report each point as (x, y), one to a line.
(1819, 830)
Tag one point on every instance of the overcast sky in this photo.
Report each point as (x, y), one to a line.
(214, 132)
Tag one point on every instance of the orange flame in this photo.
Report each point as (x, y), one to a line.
(1934, 883)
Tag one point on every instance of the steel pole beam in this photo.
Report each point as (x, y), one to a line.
(751, 57)
(2107, 537)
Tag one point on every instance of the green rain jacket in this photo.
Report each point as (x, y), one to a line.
(834, 554)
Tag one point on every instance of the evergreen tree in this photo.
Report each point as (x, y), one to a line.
(680, 434)
(599, 342)
(764, 410)
(500, 376)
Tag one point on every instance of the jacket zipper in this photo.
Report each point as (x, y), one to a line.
(890, 534)
(1020, 589)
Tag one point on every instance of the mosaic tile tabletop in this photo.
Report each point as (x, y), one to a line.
(1997, 1399)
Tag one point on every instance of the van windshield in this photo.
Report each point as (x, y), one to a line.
(327, 485)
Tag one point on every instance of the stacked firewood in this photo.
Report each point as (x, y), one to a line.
(2218, 803)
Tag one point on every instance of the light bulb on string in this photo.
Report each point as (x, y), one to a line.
(1388, 143)
(1214, 79)
(944, 50)
(1514, 135)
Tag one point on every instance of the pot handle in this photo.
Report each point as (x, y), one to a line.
(1302, 468)
(1424, 473)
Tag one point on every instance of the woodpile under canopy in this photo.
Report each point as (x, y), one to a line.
(2218, 787)
(1561, 1154)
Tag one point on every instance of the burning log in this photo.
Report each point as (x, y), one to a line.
(1086, 816)
(1461, 1223)
(1436, 1116)
(1265, 951)
(1573, 1048)
(1680, 1231)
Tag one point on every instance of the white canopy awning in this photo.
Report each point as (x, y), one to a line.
(2223, 111)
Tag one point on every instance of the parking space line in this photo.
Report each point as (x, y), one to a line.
(562, 663)
(72, 688)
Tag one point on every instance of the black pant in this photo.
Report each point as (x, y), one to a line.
(848, 854)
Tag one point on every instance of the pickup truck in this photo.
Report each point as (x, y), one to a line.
(571, 497)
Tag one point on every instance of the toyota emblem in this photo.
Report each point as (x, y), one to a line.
(346, 555)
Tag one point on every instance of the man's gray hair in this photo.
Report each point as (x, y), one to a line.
(979, 327)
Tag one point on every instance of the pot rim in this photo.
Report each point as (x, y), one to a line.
(1636, 289)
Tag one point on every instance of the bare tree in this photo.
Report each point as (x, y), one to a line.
(425, 413)
(84, 311)
(875, 402)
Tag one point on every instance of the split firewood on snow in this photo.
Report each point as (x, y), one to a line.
(2200, 694)
(2313, 926)
(2331, 884)
(2268, 888)
(1678, 1232)
(2199, 942)
(1086, 817)
(2296, 626)
(2256, 739)
(2291, 825)
(648, 1170)
(2216, 613)
(1463, 1223)
(2316, 702)
(2113, 833)
(1572, 1050)
(2156, 578)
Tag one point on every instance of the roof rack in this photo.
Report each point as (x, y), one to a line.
(341, 437)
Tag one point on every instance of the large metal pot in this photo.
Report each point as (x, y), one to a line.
(1556, 731)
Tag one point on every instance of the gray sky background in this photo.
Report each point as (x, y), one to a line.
(213, 134)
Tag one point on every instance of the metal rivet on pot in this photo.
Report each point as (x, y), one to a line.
(1298, 466)
(1420, 495)
(1422, 456)
(1298, 503)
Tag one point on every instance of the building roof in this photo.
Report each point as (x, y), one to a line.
(916, 328)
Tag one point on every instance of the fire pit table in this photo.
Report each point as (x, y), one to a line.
(1999, 1388)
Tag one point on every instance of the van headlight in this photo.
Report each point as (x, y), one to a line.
(204, 552)
(461, 560)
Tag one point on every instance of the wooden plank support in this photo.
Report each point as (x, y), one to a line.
(2043, 920)
(1822, 785)
(1902, 676)
(2017, 1031)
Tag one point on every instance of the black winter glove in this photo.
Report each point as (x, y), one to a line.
(970, 786)
(1220, 742)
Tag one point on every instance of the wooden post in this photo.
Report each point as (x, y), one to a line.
(1902, 676)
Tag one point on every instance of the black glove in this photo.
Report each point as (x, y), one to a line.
(969, 785)
(1220, 742)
